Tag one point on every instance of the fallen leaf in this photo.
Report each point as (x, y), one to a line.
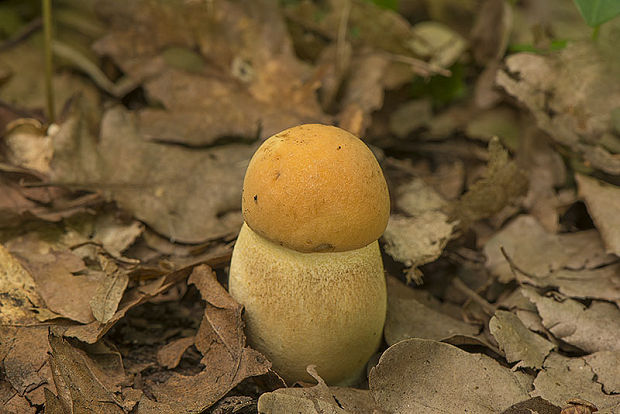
(421, 238)
(538, 254)
(92, 332)
(319, 399)
(501, 184)
(603, 201)
(19, 289)
(574, 113)
(605, 365)
(415, 241)
(104, 303)
(249, 80)
(87, 393)
(594, 328)
(565, 378)
(221, 341)
(54, 269)
(518, 343)
(446, 378)
(25, 361)
(536, 405)
(170, 354)
(409, 318)
(188, 195)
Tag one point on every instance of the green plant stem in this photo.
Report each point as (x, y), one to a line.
(595, 32)
(49, 64)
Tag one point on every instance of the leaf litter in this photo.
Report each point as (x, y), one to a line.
(117, 222)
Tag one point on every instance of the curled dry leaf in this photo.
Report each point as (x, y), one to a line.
(501, 184)
(221, 341)
(593, 328)
(519, 343)
(54, 270)
(418, 375)
(574, 113)
(79, 387)
(419, 239)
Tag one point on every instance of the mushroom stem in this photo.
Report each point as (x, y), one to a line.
(325, 309)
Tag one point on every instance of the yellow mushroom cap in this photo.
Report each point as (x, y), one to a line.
(315, 188)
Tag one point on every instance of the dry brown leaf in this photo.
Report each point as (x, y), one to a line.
(536, 405)
(188, 195)
(319, 399)
(104, 303)
(564, 378)
(518, 343)
(86, 392)
(249, 81)
(25, 365)
(421, 238)
(603, 201)
(415, 241)
(18, 286)
(445, 378)
(538, 254)
(54, 269)
(570, 94)
(593, 328)
(221, 340)
(170, 354)
(502, 183)
(409, 318)
(92, 332)
(605, 365)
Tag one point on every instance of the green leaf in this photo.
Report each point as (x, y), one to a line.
(386, 4)
(596, 12)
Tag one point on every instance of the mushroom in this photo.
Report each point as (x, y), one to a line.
(307, 265)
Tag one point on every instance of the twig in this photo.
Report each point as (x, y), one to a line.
(49, 64)
(463, 288)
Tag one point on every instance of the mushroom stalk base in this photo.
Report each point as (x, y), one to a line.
(323, 309)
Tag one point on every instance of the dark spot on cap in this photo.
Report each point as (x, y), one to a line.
(339, 146)
(256, 198)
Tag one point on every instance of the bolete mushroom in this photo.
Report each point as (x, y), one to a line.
(307, 265)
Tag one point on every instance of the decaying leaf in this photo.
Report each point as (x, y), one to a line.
(55, 271)
(540, 257)
(409, 318)
(109, 293)
(570, 93)
(221, 341)
(419, 239)
(518, 342)
(502, 183)
(603, 201)
(188, 195)
(566, 378)
(79, 382)
(92, 332)
(605, 365)
(593, 328)
(248, 80)
(18, 287)
(418, 375)
(319, 399)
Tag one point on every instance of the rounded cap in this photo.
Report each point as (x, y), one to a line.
(316, 188)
